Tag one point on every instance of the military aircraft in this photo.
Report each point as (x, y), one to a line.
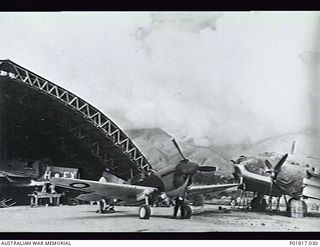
(20, 177)
(172, 182)
(17, 178)
(274, 175)
(20, 172)
(27, 173)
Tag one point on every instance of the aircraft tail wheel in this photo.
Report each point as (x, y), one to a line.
(186, 212)
(144, 212)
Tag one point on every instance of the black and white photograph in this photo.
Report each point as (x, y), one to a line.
(160, 122)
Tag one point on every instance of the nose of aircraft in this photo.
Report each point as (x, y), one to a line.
(187, 168)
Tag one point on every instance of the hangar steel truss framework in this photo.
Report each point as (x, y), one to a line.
(111, 137)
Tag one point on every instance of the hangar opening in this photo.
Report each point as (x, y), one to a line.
(40, 121)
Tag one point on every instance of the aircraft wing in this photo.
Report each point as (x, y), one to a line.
(15, 178)
(124, 192)
(12, 174)
(200, 189)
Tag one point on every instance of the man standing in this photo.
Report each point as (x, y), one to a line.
(178, 205)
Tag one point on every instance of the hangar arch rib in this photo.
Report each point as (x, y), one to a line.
(65, 121)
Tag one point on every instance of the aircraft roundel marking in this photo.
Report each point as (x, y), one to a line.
(79, 185)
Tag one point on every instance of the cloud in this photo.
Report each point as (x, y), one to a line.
(242, 83)
(192, 22)
(310, 57)
(141, 33)
(230, 78)
(188, 22)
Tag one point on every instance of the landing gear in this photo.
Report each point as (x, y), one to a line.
(144, 212)
(278, 204)
(186, 212)
(259, 204)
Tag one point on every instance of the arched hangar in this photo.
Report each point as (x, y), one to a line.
(41, 120)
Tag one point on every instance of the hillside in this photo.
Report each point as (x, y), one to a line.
(157, 146)
(307, 144)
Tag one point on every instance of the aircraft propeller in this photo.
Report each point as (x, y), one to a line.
(185, 169)
(275, 171)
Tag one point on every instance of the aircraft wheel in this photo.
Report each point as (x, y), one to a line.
(259, 205)
(144, 212)
(186, 212)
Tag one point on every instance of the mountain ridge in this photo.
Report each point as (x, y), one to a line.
(156, 145)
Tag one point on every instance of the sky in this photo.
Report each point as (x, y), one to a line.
(217, 77)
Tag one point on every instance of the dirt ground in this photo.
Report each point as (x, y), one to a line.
(83, 218)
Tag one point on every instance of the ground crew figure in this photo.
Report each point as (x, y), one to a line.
(52, 189)
(34, 200)
(102, 205)
(44, 188)
(105, 207)
(238, 202)
(177, 206)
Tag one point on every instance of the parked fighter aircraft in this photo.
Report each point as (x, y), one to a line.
(273, 175)
(172, 182)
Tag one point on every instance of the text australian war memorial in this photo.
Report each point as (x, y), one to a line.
(45, 129)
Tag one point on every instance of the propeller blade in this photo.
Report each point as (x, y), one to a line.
(207, 168)
(293, 147)
(237, 179)
(179, 150)
(179, 191)
(203, 161)
(271, 185)
(280, 163)
(268, 164)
